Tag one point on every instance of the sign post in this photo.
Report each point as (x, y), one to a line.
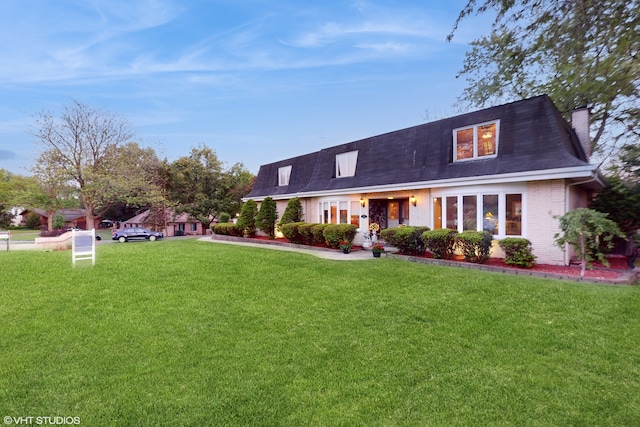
(83, 245)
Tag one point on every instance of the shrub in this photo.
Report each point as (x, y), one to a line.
(267, 216)
(226, 229)
(291, 231)
(335, 233)
(474, 245)
(589, 232)
(517, 252)
(292, 213)
(247, 219)
(58, 222)
(317, 230)
(389, 235)
(441, 242)
(407, 239)
(33, 221)
(306, 233)
(224, 217)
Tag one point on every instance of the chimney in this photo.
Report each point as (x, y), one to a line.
(580, 124)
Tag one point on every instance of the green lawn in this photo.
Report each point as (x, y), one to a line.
(196, 333)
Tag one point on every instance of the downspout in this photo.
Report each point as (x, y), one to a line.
(592, 178)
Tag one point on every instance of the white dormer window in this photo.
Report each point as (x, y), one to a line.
(346, 164)
(284, 173)
(474, 142)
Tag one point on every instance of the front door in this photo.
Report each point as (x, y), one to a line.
(393, 217)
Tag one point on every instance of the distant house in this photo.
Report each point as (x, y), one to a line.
(72, 217)
(174, 224)
(506, 169)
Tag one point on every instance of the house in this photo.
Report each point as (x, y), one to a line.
(73, 218)
(506, 169)
(174, 224)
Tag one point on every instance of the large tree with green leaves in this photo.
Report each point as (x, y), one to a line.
(201, 185)
(621, 201)
(579, 52)
(90, 149)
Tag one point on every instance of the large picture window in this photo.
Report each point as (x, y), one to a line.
(499, 214)
(346, 164)
(475, 142)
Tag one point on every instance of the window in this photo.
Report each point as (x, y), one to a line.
(194, 226)
(346, 164)
(514, 214)
(475, 142)
(284, 173)
(355, 214)
(340, 212)
(499, 214)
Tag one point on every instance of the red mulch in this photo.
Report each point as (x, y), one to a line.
(617, 265)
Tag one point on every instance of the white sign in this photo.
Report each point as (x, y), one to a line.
(83, 245)
(5, 235)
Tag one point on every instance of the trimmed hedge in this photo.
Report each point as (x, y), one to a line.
(291, 231)
(474, 245)
(442, 242)
(406, 238)
(226, 229)
(336, 233)
(306, 233)
(292, 213)
(517, 252)
(317, 231)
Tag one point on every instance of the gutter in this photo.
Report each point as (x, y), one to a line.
(562, 173)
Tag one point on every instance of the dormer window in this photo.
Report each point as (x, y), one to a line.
(284, 173)
(346, 164)
(478, 141)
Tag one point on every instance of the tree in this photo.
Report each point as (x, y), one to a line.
(267, 217)
(202, 187)
(579, 52)
(293, 212)
(621, 201)
(195, 182)
(33, 221)
(48, 191)
(627, 165)
(58, 222)
(247, 219)
(588, 231)
(89, 149)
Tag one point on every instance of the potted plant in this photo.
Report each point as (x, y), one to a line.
(377, 248)
(345, 246)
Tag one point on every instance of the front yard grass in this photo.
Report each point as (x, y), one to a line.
(195, 333)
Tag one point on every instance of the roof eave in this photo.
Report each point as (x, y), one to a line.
(578, 172)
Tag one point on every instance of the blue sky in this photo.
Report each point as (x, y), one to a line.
(255, 80)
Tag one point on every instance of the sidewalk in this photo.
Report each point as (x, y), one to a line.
(319, 252)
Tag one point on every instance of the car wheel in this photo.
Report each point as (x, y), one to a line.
(122, 239)
(152, 238)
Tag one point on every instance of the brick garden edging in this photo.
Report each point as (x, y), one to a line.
(628, 278)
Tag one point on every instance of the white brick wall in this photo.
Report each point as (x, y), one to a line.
(545, 199)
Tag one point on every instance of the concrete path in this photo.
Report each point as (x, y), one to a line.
(320, 253)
